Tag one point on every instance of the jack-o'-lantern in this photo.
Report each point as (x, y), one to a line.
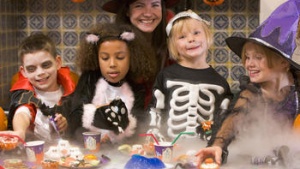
(78, 1)
(213, 2)
(3, 120)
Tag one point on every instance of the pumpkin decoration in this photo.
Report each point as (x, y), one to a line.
(297, 123)
(3, 120)
(213, 2)
(78, 1)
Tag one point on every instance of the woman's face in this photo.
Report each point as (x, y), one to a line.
(256, 64)
(114, 59)
(145, 14)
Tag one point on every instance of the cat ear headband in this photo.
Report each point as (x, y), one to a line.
(94, 38)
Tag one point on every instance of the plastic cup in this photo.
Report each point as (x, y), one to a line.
(164, 151)
(35, 151)
(92, 141)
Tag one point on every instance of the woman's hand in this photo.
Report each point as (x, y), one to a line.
(209, 152)
(61, 122)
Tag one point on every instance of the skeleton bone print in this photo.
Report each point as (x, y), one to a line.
(189, 100)
(192, 103)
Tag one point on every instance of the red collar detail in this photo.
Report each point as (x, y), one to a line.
(63, 76)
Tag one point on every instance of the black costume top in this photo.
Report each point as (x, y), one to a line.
(91, 93)
(189, 100)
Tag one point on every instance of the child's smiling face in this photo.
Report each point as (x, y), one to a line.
(191, 42)
(114, 60)
(257, 64)
(41, 70)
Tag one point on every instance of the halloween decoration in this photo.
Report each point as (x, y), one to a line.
(78, 1)
(213, 2)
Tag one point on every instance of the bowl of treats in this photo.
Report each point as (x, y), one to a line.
(9, 141)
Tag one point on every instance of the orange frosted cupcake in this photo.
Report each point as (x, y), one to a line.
(50, 164)
(12, 162)
(209, 164)
(8, 143)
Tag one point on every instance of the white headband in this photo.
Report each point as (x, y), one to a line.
(188, 13)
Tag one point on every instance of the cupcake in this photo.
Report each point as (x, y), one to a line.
(50, 164)
(91, 159)
(209, 164)
(8, 143)
(12, 163)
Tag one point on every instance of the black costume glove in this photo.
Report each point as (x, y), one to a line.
(116, 115)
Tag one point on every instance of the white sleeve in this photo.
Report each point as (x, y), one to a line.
(24, 109)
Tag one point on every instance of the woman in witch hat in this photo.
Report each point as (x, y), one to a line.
(271, 88)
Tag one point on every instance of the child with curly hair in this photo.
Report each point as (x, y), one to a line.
(111, 56)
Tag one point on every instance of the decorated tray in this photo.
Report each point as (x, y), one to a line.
(9, 141)
(89, 161)
(70, 162)
(15, 163)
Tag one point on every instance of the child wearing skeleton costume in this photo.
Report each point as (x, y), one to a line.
(110, 57)
(189, 95)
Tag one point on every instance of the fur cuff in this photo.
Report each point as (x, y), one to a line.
(89, 111)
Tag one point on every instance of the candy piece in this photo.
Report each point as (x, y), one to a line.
(90, 157)
(104, 159)
(125, 148)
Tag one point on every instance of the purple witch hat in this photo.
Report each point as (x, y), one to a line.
(277, 32)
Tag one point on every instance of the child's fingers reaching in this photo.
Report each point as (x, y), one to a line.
(214, 152)
(58, 117)
(200, 157)
(61, 122)
(63, 127)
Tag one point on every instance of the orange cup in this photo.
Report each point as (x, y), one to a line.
(35, 151)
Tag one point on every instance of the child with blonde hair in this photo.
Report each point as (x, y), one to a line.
(189, 95)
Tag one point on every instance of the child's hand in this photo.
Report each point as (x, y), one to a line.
(20, 134)
(116, 115)
(214, 152)
(61, 122)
